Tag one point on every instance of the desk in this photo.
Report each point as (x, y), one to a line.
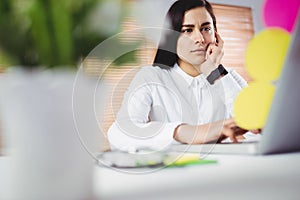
(234, 177)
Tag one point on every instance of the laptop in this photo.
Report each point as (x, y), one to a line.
(281, 133)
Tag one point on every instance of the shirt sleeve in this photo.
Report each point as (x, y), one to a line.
(229, 87)
(132, 128)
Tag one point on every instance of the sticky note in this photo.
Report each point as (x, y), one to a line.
(266, 53)
(186, 160)
(283, 14)
(252, 105)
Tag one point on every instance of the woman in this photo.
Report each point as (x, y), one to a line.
(187, 95)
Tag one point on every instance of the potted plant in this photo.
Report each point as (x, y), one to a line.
(48, 115)
(48, 33)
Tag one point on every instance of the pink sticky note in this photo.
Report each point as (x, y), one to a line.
(281, 13)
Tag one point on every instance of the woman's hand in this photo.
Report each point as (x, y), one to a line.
(208, 133)
(214, 55)
(256, 131)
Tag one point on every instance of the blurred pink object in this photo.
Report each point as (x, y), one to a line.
(283, 14)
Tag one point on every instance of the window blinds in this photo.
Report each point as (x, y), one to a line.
(235, 26)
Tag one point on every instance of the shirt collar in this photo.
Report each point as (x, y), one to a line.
(189, 79)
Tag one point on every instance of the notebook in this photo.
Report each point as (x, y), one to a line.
(281, 133)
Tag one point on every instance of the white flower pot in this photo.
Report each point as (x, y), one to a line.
(50, 128)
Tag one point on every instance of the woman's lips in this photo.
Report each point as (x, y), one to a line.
(199, 51)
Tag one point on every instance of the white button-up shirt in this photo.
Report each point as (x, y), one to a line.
(158, 100)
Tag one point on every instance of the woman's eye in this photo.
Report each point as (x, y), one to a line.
(205, 29)
(189, 30)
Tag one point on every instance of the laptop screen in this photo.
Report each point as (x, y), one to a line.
(282, 130)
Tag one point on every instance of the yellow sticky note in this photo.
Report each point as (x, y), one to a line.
(266, 53)
(186, 160)
(252, 105)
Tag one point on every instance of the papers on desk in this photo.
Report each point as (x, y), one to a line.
(120, 159)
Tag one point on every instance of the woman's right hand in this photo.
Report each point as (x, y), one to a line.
(214, 55)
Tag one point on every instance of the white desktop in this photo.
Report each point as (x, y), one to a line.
(232, 177)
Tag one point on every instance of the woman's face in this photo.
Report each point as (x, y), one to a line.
(197, 33)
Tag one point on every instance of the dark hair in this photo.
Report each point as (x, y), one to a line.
(166, 55)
